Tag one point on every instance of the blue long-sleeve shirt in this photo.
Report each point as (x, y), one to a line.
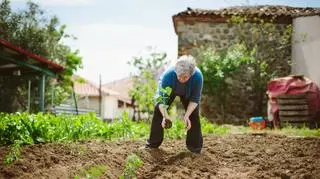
(193, 87)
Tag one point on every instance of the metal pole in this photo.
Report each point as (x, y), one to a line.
(75, 99)
(100, 96)
(52, 95)
(42, 91)
(29, 96)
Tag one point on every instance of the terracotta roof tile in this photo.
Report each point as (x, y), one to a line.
(268, 10)
(90, 89)
(122, 86)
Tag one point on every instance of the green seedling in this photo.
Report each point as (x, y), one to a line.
(92, 173)
(163, 99)
(133, 163)
(14, 153)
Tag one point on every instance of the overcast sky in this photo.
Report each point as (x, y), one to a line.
(111, 32)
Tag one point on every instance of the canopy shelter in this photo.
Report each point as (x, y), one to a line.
(21, 66)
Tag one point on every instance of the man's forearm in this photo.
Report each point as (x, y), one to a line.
(163, 111)
(190, 108)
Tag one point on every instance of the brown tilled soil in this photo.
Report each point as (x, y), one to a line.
(231, 156)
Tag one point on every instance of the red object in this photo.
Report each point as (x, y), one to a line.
(293, 85)
(40, 59)
(258, 125)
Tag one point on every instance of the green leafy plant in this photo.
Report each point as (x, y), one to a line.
(162, 99)
(92, 173)
(164, 96)
(209, 128)
(133, 163)
(177, 130)
(14, 153)
(218, 68)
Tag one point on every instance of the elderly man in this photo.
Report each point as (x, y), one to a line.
(186, 81)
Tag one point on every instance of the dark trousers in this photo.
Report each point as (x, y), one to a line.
(194, 139)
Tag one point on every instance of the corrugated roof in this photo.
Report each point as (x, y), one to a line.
(268, 10)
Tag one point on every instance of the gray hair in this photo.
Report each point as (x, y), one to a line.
(185, 64)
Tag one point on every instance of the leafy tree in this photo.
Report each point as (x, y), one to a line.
(145, 84)
(33, 30)
(272, 52)
(262, 51)
(218, 68)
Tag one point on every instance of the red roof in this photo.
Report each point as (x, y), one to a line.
(122, 86)
(88, 88)
(38, 58)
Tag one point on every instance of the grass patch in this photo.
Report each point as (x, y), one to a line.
(210, 128)
(294, 131)
(287, 130)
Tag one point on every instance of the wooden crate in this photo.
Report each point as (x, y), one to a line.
(293, 108)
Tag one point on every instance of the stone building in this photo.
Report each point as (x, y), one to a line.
(198, 27)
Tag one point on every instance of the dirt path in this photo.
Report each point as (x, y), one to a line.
(232, 156)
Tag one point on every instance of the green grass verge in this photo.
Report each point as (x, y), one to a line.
(287, 130)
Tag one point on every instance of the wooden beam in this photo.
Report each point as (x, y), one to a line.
(25, 63)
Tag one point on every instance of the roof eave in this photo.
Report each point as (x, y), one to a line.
(56, 67)
(221, 18)
(198, 18)
(174, 20)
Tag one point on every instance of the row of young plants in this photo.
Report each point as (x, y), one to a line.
(46, 128)
(24, 129)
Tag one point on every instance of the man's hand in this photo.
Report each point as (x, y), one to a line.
(163, 123)
(187, 122)
(190, 109)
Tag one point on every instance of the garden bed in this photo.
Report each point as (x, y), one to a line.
(229, 156)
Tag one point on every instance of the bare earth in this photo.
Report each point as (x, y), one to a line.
(231, 156)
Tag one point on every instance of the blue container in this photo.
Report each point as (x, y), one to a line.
(256, 119)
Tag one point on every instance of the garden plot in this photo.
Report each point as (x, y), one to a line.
(229, 156)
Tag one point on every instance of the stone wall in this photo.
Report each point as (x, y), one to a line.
(192, 35)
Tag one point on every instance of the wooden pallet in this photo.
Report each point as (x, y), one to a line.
(293, 108)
